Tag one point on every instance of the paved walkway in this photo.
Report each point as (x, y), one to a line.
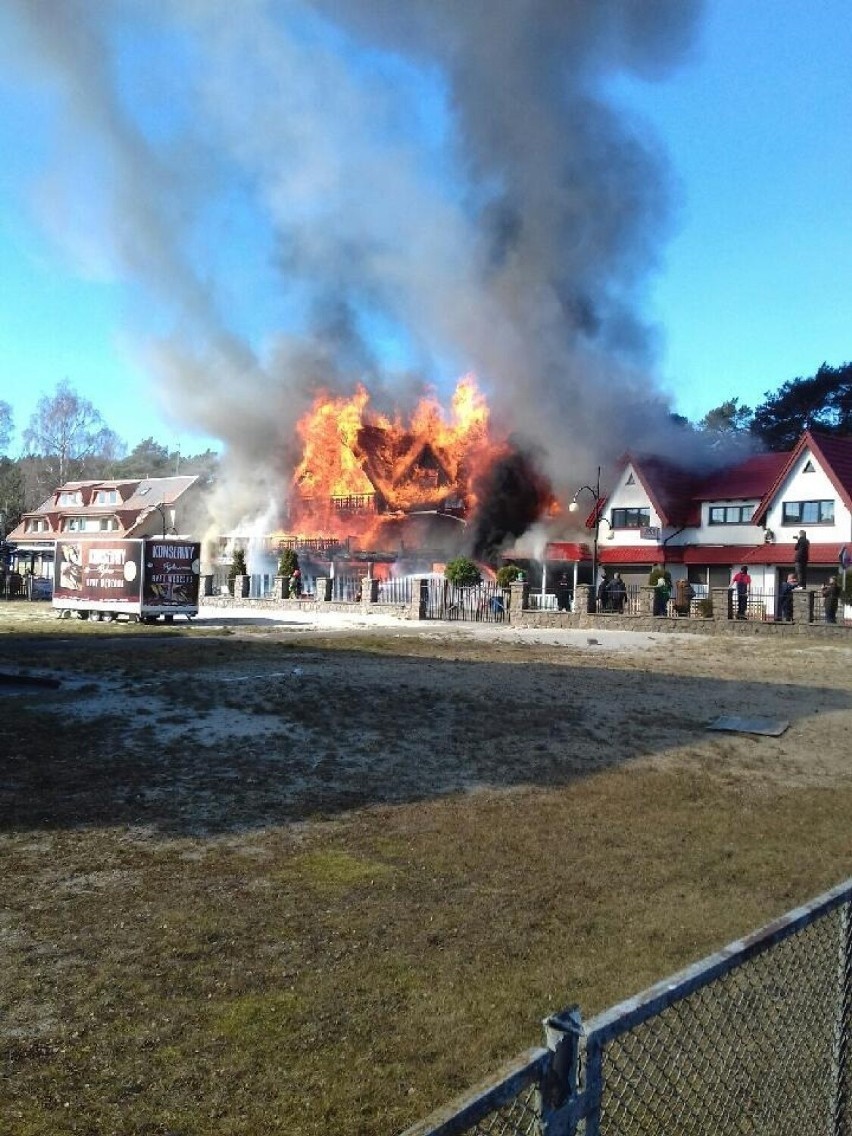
(590, 638)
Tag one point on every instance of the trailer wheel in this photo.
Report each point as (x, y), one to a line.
(82, 615)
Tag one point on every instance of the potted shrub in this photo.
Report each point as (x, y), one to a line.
(507, 575)
(463, 572)
(238, 581)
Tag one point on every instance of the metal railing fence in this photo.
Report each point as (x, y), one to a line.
(485, 602)
(755, 1039)
(346, 589)
(755, 607)
(398, 590)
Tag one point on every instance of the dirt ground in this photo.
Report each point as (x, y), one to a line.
(470, 771)
(428, 709)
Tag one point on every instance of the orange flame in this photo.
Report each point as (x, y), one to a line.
(360, 468)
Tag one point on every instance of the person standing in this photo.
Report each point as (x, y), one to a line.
(684, 594)
(830, 598)
(563, 593)
(617, 594)
(801, 556)
(785, 598)
(662, 595)
(742, 582)
(603, 594)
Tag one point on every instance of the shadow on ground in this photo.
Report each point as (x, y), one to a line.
(203, 734)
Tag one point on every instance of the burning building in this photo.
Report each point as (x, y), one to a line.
(415, 489)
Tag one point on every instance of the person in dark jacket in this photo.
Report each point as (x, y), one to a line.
(603, 594)
(801, 556)
(563, 593)
(617, 594)
(785, 598)
(830, 599)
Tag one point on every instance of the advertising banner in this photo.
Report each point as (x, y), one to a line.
(93, 571)
(172, 573)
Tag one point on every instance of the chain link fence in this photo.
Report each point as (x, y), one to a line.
(756, 1039)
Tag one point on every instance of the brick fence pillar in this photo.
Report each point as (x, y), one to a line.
(723, 607)
(583, 599)
(323, 587)
(519, 596)
(369, 591)
(803, 605)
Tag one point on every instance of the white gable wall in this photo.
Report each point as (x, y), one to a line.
(626, 496)
(815, 486)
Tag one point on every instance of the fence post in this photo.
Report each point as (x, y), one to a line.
(584, 599)
(369, 591)
(559, 1086)
(723, 603)
(842, 1103)
(519, 594)
(803, 606)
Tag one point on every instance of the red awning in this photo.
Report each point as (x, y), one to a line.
(766, 554)
(785, 554)
(571, 551)
(639, 554)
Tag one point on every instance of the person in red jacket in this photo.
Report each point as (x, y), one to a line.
(742, 582)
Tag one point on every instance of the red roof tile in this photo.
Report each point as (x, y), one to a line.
(751, 478)
(781, 554)
(567, 550)
(670, 488)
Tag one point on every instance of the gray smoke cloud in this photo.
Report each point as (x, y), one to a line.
(312, 193)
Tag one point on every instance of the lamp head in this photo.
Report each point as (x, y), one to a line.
(573, 506)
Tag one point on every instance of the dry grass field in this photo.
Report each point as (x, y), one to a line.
(279, 879)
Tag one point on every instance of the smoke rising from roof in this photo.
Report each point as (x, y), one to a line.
(312, 193)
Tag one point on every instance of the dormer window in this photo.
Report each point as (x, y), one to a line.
(70, 498)
(106, 497)
(809, 467)
(631, 480)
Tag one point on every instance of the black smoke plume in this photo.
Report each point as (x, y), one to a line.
(512, 496)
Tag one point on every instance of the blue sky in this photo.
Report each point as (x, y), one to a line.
(756, 285)
(750, 286)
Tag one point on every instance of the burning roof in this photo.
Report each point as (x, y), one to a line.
(361, 469)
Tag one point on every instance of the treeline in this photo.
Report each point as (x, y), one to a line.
(67, 440)
(822, 402)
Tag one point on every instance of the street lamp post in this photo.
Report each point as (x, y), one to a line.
(573, 507)
(164, 517)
